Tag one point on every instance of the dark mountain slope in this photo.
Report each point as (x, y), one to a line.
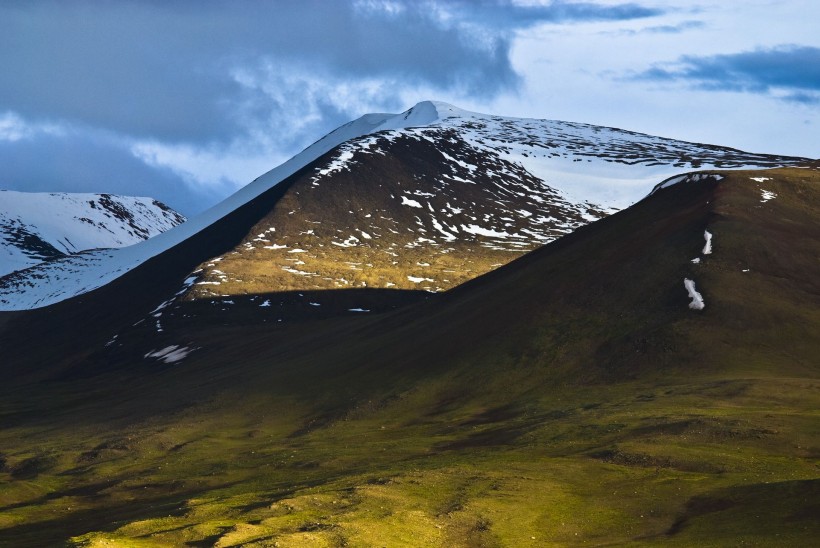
(400, 212)
(77, 326)
(570, 397)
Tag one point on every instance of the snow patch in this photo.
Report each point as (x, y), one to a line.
(170, 354)
(707, 248)
(766, 195)
(408, 202)
(479, 231)
(697, 300)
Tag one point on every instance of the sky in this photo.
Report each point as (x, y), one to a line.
(188, 101)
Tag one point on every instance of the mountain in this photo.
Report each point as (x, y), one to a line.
(574, 396)
(366, 205)
(38, 227)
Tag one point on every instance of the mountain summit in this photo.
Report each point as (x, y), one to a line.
(504, 184)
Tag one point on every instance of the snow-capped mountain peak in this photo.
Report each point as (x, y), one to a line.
(586, 167)
(39, 226)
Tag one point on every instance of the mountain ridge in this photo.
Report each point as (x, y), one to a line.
(550, 151)
(40, 226)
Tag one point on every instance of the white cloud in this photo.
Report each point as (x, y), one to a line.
(579, 73)
(212, 168)
(14, 128)
(391, 8)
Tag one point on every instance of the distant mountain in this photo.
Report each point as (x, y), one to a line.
(423, 200)
(37, 227)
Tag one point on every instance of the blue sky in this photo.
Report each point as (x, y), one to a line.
(189, 101)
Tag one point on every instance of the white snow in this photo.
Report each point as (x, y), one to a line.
(350, 242)
(707, 248)
(265, 304)
(358, 310)
(295, 271)
(339, 163)
(696, 260)
(417, 280)
(761, 179)
(440, 228)
(477, 230)
(71, 223)
(170, 354)
(697, 300)
(687, 178)
(409, 202)
(157, 312)
(766, 195)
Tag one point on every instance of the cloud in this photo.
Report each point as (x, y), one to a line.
(164, 69)
(676, 29)
(202, 94)
(80, 162)
(14, 128)
(683, 26)
(789, 72)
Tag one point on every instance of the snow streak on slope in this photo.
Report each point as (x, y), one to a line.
(584, 163)
(35, 227)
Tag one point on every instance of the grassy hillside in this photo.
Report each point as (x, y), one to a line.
(571, 397)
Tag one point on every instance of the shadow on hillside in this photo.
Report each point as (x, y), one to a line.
(288, 306)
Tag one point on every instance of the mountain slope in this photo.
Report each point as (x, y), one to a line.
(570, 397)
(37, 227)
(575, 170)
(395, 213)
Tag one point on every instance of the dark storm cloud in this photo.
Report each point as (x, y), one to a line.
(793, 69)
(210, 83)
(82, 164)
(162, 69)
